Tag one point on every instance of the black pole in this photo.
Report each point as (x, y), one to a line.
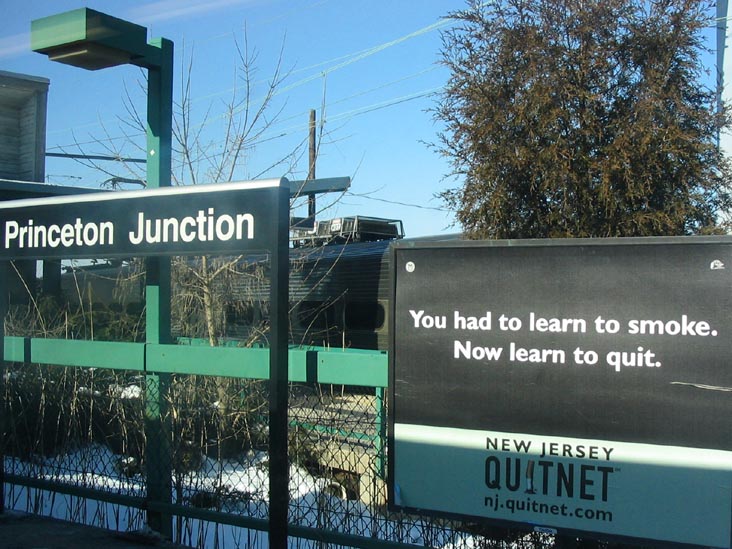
(311, 165)
(3, 403)
(279, 494)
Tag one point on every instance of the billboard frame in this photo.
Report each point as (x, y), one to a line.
(394, 495)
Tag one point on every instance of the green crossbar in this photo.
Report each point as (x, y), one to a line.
(358, 367)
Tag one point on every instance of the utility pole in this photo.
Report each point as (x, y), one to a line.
(311, 166)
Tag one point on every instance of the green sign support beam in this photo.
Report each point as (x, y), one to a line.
(92, 40)
(157, 291)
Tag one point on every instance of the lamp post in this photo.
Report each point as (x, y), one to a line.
(92, 40)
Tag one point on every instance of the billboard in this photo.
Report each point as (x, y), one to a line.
(579, 385)
(189, 220)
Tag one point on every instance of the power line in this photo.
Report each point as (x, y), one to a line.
(397, 203)
(342, 100)
(361, 110)
(97, 157)
(347, 115)
(384, 104)
(295, 128)
(344, 116)
(342, 61)
(348, 59)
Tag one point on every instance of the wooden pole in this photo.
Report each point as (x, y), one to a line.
(311, 165)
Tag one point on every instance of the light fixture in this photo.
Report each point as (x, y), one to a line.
(91, 40)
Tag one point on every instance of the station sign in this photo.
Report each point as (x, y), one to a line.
(187, 220)
(568, 386)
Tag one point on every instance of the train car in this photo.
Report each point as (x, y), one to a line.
(339, 285)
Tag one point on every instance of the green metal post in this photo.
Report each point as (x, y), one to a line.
(160, 115)
(157, 293)
(93, 40)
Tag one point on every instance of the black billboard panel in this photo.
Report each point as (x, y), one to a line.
(565, 371)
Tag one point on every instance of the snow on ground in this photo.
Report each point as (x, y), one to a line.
(239, 487)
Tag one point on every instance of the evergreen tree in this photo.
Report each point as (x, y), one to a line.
(582, 118)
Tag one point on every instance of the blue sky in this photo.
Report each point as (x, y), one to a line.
(369, 68)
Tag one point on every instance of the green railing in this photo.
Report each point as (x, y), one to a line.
(337, 415)
(345, 367)
(357, 367)
(310, 366)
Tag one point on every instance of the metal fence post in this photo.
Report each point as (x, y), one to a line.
(380, 441)
(157, 296)
(278, 376)
(158, 452)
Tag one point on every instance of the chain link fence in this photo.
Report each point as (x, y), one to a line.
(79, 444)
(80, 429)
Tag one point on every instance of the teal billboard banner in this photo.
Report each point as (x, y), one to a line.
(577, 386)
